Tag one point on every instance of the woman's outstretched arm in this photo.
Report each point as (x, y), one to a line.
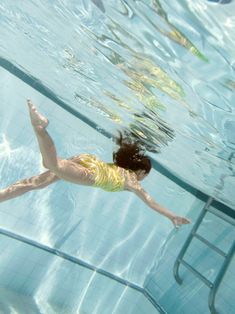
(142, 194)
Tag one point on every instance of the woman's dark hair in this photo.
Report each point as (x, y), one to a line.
(131, 155)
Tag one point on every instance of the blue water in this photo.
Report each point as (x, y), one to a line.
(165, 71)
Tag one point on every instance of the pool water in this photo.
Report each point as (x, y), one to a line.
(165, 73)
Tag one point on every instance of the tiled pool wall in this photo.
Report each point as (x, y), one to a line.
(33, 281)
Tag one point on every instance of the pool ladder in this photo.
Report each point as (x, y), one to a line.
(227, 256)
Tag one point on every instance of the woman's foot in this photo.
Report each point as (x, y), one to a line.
(37, 120)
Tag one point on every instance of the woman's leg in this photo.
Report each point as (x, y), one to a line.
(26, 185)
(33, 183)
(46, 144)
(64, 169)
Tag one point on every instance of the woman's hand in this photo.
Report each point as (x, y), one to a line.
(178, 221)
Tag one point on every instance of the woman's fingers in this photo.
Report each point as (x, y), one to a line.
(178, 221)
(186, 221)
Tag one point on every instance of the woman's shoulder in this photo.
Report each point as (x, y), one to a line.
(131, 182)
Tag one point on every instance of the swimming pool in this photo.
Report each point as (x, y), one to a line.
(165, 71)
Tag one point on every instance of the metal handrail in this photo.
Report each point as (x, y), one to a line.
(227, 256)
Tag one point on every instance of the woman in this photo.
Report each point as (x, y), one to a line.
(130, 166)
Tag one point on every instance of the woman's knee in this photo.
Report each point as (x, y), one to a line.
(52, 165)
(56, 167)
(28, 184)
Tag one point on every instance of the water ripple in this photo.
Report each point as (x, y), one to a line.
(153, 68)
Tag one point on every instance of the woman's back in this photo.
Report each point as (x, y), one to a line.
(107, 176)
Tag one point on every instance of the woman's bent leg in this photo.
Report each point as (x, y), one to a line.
(64, 169)
(46, 144)
(26, 185)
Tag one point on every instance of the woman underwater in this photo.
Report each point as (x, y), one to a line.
(130, 166)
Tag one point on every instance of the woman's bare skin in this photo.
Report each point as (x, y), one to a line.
(63, 168)
(34, 183)
(71, 170)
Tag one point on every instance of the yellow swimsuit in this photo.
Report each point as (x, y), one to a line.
(107, 176)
